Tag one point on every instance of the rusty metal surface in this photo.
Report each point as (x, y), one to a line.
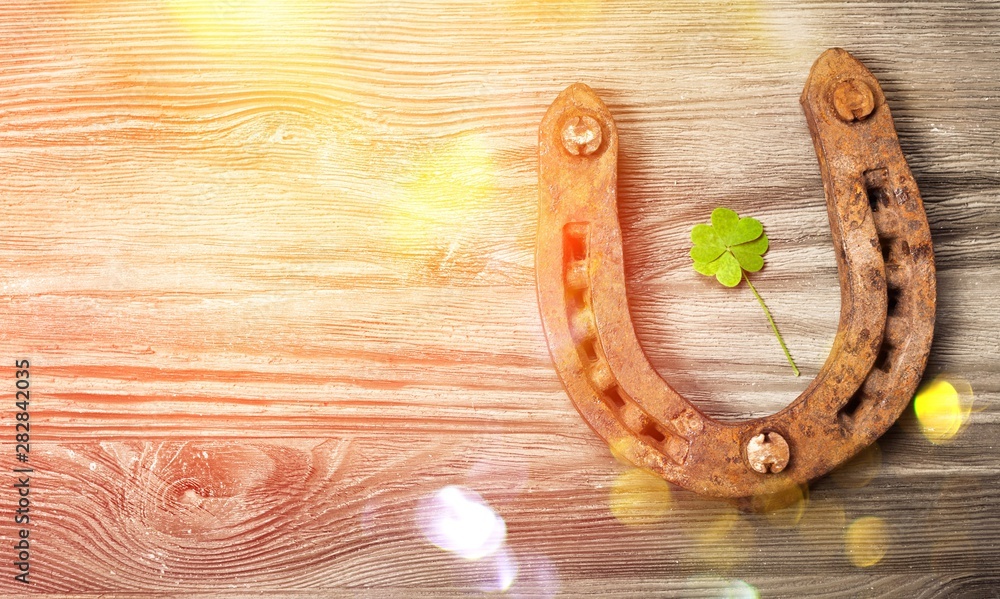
(887, 283)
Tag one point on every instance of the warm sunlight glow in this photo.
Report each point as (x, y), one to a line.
(557, 10)
(443, 197)
(232, 22)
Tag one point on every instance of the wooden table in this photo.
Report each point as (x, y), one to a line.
(272, 266)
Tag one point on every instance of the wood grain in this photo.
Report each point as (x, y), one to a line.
(272, 264)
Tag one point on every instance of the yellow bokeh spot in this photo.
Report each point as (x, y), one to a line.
(860, 470)
(230, 22)
(621, 448)
(444, 199)
(448, 176)
(638, 498)
(866, 541)
(941, 410)
(557, 10)
(784, 508)
(721, 543)
(823, 523)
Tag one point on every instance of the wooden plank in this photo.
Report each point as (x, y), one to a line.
(164, 515)
(154, 515)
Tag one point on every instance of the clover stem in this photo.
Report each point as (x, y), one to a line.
(774, 327)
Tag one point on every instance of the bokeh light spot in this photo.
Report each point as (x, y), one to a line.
(941, 410)
(244, 23)
(859, 471)
(784, 508)
(558, 11)
(537, 578)
(738, 589)
(638, 498)
(717, 587)
(495, 573)
(621, 448)
(458, 520)
(866, 541)
(443, 202)
(722, 542)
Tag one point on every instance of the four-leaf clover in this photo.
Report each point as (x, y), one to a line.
(729, 248)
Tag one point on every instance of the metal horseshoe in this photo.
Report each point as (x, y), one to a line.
(885, 263)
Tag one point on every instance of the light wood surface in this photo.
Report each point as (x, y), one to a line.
(272, 264)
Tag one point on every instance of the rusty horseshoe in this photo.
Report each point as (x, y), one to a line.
(887, 285)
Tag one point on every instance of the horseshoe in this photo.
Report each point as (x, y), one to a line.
(885, 263)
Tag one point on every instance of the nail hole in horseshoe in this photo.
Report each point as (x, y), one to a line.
(851, 407)
(887, 253)
(892, 299)
(574, 263)
(589, 350)
(875, 188)
(614, 397)
(653, 432)
(882, 362)
(577, 299)
(575, 240)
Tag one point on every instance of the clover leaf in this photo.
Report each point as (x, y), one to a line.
(729, 248)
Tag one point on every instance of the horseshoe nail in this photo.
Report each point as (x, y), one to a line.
(885, 262)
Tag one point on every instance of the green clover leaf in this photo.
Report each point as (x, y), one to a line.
(729, 248)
